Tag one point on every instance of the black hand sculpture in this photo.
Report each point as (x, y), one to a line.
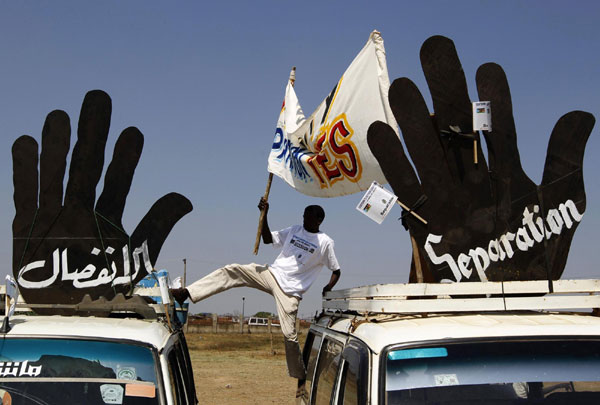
(64, 250)
(483, 223)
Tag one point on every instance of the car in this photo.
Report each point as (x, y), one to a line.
(123, 351)
(256, 321)
(466, 343)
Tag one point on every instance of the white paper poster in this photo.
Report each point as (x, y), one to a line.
(482, 116)
(377, 202)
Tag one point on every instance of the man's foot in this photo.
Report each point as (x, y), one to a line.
(301, 393)
(180, 294)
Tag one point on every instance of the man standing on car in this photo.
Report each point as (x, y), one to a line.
(304, 250)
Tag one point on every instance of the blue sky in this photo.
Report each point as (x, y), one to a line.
(204, 83)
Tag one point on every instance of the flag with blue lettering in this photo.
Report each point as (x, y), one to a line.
(326, 154)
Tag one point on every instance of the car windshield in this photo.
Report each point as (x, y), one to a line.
(533, 372)
(52, 371)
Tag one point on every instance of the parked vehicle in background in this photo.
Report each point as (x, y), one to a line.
(256, 321)
(443, 344)
(122, 351)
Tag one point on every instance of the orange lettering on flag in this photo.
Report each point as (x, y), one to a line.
(336, 155)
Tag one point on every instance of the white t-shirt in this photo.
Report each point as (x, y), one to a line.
(302, 255)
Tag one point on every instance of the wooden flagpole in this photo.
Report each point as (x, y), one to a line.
(417, 259)
(261, 219)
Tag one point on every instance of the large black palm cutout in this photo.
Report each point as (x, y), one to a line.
(484, 222)
(64, 249)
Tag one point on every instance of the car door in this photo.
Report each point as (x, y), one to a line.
(354, 376)
(324, 385)
(181, 377)
(337, 368)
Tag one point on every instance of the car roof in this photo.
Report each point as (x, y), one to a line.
(154, 333)
(385, 331)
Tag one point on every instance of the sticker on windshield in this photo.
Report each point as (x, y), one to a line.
(442, 380)
(126, 373)
(5, 398)
(140, 390)
(112, 393)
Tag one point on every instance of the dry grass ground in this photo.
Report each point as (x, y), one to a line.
(231, 368)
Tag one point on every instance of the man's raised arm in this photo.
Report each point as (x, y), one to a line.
(265, 232)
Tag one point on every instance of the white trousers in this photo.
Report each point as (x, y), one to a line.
(257, 276)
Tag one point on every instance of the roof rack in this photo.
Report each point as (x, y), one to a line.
(140, 304)
(466, 297)
(100, 307)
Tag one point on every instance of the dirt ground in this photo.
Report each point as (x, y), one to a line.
(231, 368)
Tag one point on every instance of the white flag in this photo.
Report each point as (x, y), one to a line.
(12, 292)
(176, 283)
(163, 284)
(327, 155)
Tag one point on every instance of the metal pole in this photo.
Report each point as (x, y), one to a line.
(185, 327)
(242, 317)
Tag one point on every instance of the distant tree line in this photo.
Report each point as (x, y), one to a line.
(263, 314)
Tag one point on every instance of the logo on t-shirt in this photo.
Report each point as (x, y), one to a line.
(303, 244)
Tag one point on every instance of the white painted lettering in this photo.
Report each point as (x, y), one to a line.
(89, 276)
(533, 230)
(463, 262)
(524, 242)
(431, 238)
(555, 221)
(572, 209)
(505, 240)
(528, 222)
(37, 265)
(481, 261)
(495, 252)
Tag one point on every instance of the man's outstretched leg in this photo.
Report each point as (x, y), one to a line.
(230, 276)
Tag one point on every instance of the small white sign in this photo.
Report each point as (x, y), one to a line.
(482, 116)
(377, 202)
